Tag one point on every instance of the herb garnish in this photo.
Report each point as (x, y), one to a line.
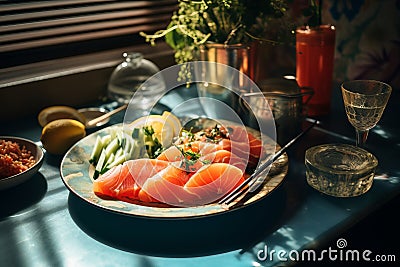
(216, 133)
(153, 145)
(191, 137)
(190, 159)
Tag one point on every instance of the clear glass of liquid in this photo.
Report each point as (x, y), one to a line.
(364, 102)
(137, 82)
(340, 170)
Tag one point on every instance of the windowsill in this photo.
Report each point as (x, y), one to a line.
(73, 65)
(74, 81)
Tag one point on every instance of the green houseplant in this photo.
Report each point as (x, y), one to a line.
(225, 31)
(227, 22)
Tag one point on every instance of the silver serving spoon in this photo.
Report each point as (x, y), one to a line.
(95, 121)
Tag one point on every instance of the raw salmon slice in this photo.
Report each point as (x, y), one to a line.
(214, 181)
(171, 154)
(174, 153)
(250, 151)
(167, 187)
(124, 181)
(242, 135)
(225, 156)
(153, 180)
(210, 153)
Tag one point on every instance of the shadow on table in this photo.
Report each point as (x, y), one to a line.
(207, 235)
(53, 160)
(22, 196)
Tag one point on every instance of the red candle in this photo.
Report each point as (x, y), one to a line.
(315, 48)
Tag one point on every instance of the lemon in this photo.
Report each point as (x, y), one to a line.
(174, 121)
(163, 129)
(59, 112)
(59, 135)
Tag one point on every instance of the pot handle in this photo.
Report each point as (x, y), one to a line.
(307, 91)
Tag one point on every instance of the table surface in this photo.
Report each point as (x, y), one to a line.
(43, 224)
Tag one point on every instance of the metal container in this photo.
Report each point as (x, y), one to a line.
(285, 99)
(238, 56)
(220, 82)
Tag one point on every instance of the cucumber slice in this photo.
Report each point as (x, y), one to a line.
(109, 160)
(112, 147)
(128, 145)
(100, 164)
(121, 138)
(136, 133)
(96, 150)
(138, 147)
(106, 139)
(119, 152)
(117, 161)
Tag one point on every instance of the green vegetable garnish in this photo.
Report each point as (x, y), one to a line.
(190, 158)
(153, 145)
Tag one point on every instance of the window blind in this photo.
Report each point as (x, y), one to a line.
(35, 30)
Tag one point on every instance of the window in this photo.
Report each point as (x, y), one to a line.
(36, 31)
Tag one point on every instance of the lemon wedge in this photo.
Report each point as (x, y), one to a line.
(163, 129)
(174, 121)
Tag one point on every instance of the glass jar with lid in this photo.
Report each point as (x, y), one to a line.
(134, 81)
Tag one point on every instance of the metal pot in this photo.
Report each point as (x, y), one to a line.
(238, 56)
(285, 99)
(221, 82)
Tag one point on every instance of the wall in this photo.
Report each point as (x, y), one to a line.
(367, 42)
(76, 82)
(368, 39)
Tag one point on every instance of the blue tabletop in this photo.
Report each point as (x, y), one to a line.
(43, 224)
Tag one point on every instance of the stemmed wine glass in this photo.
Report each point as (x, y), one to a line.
(364, 102)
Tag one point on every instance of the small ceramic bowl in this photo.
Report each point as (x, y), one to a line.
(19, 178)
(93, 113)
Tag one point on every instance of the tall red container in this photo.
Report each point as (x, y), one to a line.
(315, 49)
